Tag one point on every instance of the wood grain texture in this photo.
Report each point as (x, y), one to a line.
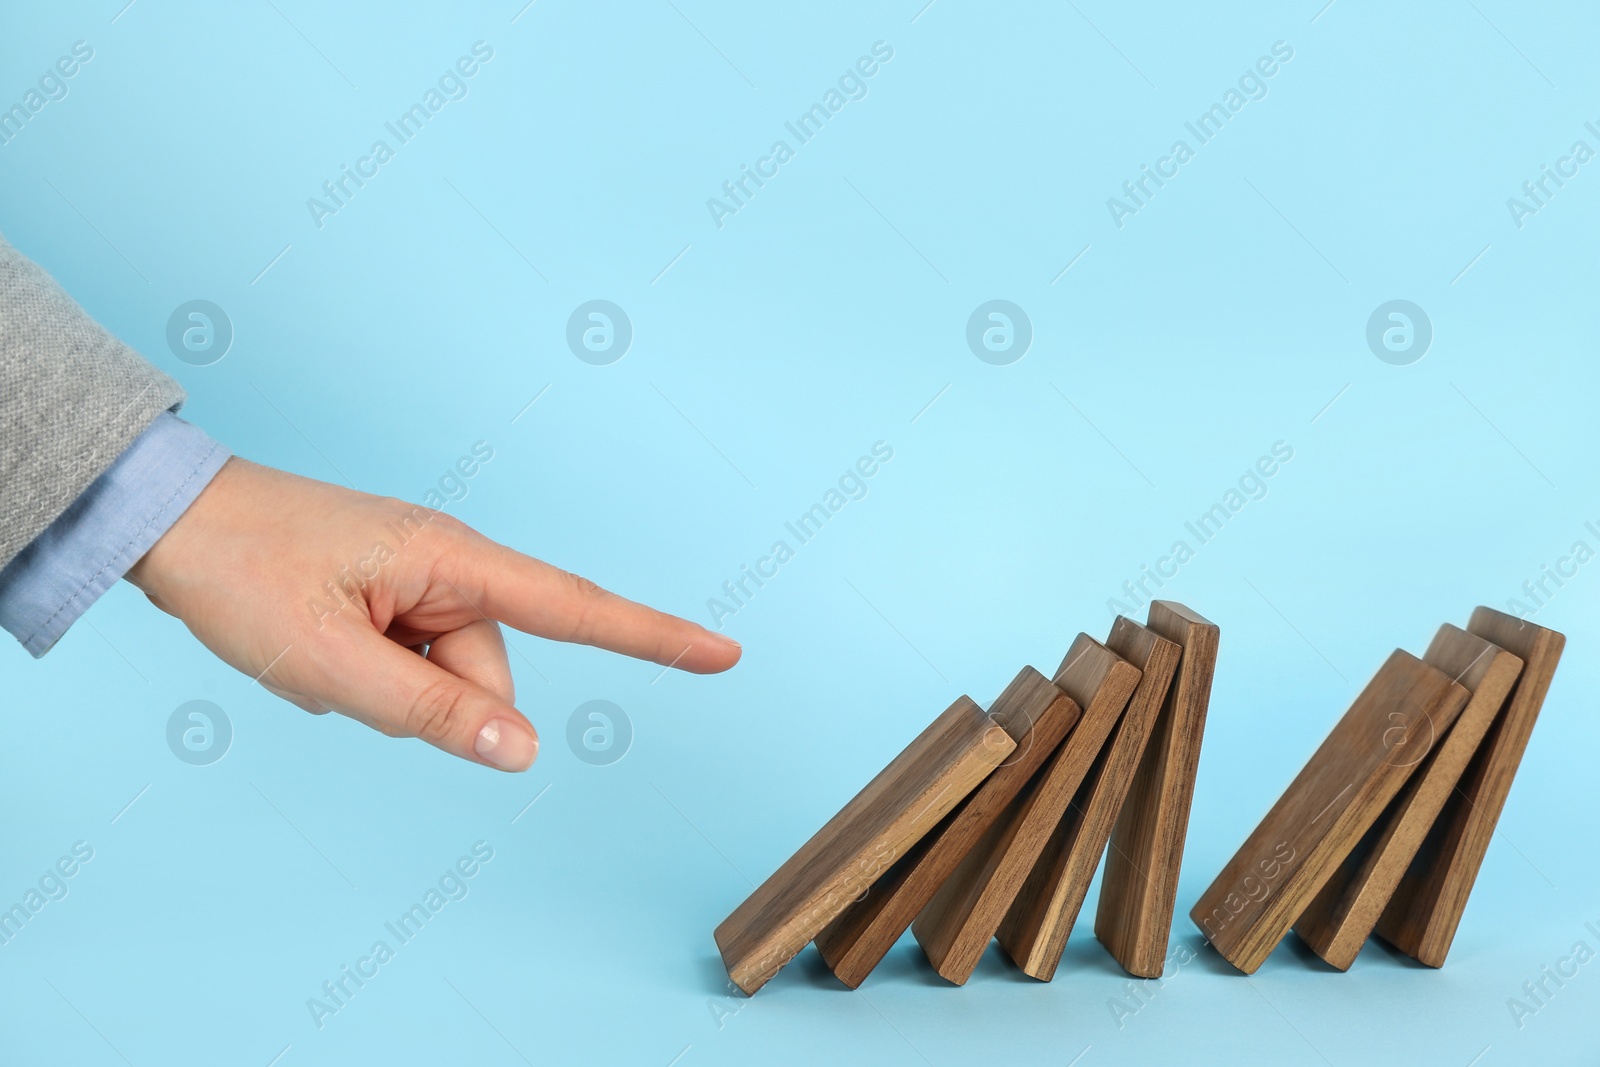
(955, 927)
(1036, 715)
(1139, 890)
(1331, 803)
(906, 799)
(1035, 931)
(1426, 908)
(1342, 915)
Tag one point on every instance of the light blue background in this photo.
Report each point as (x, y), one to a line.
(826, 315)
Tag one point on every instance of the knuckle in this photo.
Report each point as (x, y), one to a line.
(436, 712)
(589, 596)
(410, 518)
(451, 526)
(582, 585)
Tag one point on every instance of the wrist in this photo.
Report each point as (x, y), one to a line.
(175, 551)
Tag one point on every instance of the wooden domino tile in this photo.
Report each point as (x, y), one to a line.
(957, 924)
(1342, 915)
(906, 799)
(1426, 908)
(1035, 931)
(1139, 889)
(1330, 805)
(1037, 716)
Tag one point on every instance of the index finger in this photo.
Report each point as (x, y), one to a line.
(546, 601)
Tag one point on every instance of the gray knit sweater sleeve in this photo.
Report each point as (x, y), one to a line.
(72, 399)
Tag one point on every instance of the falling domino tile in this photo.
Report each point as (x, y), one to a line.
(1034, 933)
(1139, 889)
(1331, 803)
(1423, 914)
(956, 926)
(1036, 715)
(907, 798)
(1342, 915)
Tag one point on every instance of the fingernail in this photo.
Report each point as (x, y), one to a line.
(508, 745)
(728, 640)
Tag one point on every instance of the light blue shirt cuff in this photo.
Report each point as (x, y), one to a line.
(105, 531)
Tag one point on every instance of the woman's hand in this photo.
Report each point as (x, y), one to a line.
(385, 611)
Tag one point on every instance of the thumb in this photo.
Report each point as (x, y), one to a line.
(402, 694)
